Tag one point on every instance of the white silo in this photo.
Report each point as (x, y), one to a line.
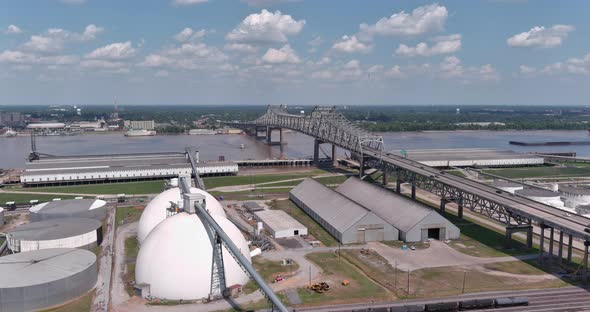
(175, 260)
(156, 211)
(507, 186)
(546, 197)
(575, 195)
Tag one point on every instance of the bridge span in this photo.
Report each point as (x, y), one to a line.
(327, 125)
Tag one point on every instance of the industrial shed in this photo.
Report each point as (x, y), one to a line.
(414, 221)
(280, 224)
(344, 219)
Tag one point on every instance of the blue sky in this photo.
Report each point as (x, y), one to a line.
(326, 52)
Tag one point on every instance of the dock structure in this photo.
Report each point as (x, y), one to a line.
(116, 168)
(470, 157)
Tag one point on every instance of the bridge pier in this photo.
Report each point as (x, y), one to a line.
(443, 203)
(269, 136)
(259, 129)
(560, 250)
(569, 247)
(316, 152)
(398, 185)
(334, 163)
(385, 180)
(541, 242)
(585, 262)
(414, 187)
(551, 243)
(511, 229)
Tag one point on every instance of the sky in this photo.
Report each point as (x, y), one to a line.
(295, 52)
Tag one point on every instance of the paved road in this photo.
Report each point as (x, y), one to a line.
(103, 284)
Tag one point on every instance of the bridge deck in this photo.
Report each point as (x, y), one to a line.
(550, 216)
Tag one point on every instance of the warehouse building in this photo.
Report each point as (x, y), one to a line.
(71, 208)
(55, 233)
(344, 219)
(40, 279)
(279, 224)
(414, 221)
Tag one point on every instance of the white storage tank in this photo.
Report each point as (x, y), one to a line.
(575, 195)
(71, 208)
(37, 280)
(55, 233)
(174, 262)
(507, 186)
(546, 197)
(156, 210)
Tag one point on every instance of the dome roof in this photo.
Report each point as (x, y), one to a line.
(175, 259)
(155, 211)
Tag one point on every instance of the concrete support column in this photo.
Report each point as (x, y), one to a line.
(508, 236)
(560, 251)
(585, 262)
(361, 167)
(551, 243)
(413, 190)
(281, 135)
(569, 247)
(268, 135)
(398, 185)
(443, 204)
(316, 152)
(460, 207)
(385, 180)
(541, 241)
(334, 155)
(529, 237)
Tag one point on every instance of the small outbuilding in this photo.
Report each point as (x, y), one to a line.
(344, 219)
(280, 224)
(415, 221)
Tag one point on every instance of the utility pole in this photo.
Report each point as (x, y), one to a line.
(464, 277)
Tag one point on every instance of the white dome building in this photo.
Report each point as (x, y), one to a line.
(155, 211)
(175, 260)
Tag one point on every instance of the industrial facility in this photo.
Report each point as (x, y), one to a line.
(113, 168)
(358, 212)
(158, 209)
(344, 219)
(507, 186)
(55, 233)
(175, 260)
(546, 197)
(575, 195)
(43, 278)
(470, 157)
(71, 208)
(280, 224)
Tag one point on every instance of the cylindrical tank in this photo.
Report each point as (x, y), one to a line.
(507, 186)
(575, 195)
(546, 197)
(156, 211)
(71, 208)
(40, 279)
(174, 262)
(55, 233)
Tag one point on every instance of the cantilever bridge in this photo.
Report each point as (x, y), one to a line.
(327, 125)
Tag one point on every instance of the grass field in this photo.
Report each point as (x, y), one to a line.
(268, 270)
(131, 251)
(129, 188)
(213, 182)
(127, 215)
(539, 172)
(361, 288)
(528, 267)
(78, 305)
(26, 198)
(313, 228)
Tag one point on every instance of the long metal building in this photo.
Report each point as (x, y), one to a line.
(344, 219)
(415, 221)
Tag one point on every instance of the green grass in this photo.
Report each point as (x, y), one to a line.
(127, 215)
(456, 173)
(576, 164)
(313, 228)
(214, 182)
(539, 172)
(258, 191)
(26, 198)
(268, 270)
(516, 267)
(361, 288)
(131, 251)
(78, 305)
(129, 188)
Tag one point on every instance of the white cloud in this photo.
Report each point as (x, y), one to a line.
(395, 72)
(54, 39)
(16, 57)
(114, 51)
(188, 34)
(527, 69)
(266, 2)
(189, 56)
(443, 45)
(284, 55)
(12, 29)
(156, 60)
(574, 65)
(266, 27)
(451, 67)
(316, 41)
(351, 45)
(353, 64)
(322, 74)
(542, 37)
(19, 57)
(187, 2)
(424, 19)
(241, 47)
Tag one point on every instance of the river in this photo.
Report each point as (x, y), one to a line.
(13, 151)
